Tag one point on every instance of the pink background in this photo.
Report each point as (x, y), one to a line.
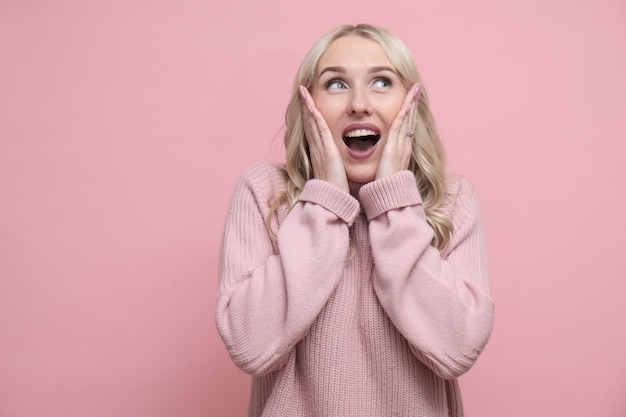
(125, 124)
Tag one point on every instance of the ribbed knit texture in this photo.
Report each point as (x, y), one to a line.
(346, 310)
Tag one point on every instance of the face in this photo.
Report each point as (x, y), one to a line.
(359, 93)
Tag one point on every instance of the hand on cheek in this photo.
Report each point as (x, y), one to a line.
(396, 154)
(325, 157)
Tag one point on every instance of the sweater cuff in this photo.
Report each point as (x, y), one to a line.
(394, 191)
(332, 198)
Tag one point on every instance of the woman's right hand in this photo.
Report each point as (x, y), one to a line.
(325, 156)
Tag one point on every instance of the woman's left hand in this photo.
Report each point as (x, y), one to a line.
(397, 151)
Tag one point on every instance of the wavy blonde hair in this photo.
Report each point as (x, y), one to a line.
(427, 159)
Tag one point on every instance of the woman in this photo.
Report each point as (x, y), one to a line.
(353, 280)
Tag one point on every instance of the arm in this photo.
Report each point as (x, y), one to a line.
(271, 291)
(439, 302)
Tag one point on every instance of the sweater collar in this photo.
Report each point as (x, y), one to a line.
(355, 187)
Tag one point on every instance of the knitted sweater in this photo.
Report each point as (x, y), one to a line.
(342, 308)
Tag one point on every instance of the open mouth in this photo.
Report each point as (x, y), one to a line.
(361, 140)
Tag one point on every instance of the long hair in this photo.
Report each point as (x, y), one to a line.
(427, 158)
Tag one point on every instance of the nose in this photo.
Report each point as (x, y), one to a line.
(359, 103)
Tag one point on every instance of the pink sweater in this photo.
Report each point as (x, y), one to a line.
(347, 310)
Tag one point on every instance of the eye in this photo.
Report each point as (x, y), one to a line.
(335, 84)
(382, 82)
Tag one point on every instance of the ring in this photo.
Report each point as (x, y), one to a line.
(410, 133)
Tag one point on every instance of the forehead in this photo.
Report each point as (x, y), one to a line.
(352, 52)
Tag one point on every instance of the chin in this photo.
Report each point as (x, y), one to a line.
(361, 175)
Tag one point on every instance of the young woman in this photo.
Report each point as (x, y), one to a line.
(353, 279)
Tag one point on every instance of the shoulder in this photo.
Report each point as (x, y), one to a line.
(264, 171)
(258, 185)
(461, 204)
(264, 177)
(458, 188)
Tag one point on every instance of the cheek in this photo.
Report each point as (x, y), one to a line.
(331, 111)
(325, 105)
(394, 107)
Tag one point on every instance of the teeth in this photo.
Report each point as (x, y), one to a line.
(360, 132)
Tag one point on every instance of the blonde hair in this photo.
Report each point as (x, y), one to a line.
(427, 159)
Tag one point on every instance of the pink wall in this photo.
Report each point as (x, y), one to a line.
(123, 128)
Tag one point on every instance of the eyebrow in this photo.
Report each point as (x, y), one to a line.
(342, 70)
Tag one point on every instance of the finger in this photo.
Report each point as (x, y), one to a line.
(406, 130)
(413, 95)
(325, 156)
(413, 113)
(409, 125)
(304, 96)
(396, 145)
(321, 140)
(401, 122)
(310, 127)
(315, 118)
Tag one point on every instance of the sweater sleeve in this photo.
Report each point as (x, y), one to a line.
(273, 287)
(439, 302)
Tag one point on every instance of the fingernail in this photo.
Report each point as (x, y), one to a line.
(301, 90)
(417, 93)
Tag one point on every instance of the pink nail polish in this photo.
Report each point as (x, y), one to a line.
(301, 90)
(418, 91)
